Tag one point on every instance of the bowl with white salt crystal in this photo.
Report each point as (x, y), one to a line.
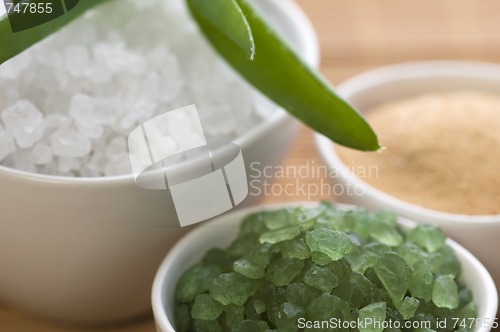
(79, 240)
(439, 123)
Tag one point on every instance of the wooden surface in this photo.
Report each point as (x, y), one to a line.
(356, 35)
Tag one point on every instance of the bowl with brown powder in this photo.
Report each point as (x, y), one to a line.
(439, 123)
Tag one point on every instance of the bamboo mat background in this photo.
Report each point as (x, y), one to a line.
(356, 35)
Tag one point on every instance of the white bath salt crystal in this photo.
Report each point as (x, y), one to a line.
(98, 160)
(144, 109)
(170, 87)
(21, 161)
(76, 60)
(63, 80)
(150, 88)
(85, 109)
(10, 95)
(49, 169)
(160, 56)
(87, 33)
(101, 77)
(66, 142)
(98, 73)
(167, 79)
(108, 110)
(49, 57)
(118, 165)
(7, 145)
(116, 146)
(226, 72)
(14, 67)
(55, 103)
(181, 12)
(41, 154)
(82, 107)
(89, 171)
(200, 73)
(180, 125)
(90, 130)
(141, 111)
(218, 120)
(24, 164)
(68, 164)
(25, 122)
(47, 81)
(56, 120)
(117, 58)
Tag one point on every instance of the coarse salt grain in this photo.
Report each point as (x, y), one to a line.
(69, 102)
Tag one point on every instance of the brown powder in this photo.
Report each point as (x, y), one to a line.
(442, 152)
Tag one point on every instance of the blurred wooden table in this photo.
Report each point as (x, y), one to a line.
(356, 35)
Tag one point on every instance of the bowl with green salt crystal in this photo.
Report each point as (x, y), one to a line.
(321, 267)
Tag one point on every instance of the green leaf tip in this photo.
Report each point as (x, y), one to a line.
(283, 77)
(229, 19)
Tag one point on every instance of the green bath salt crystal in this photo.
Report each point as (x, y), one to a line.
(445, 292)
(301, 294)
(277, 219)
(321, 278)
(429, 237)
(394, 274)
(259, 306)
(385, 231)
(207, 326)
(288, 315)
(333, 243)
(324, 264)
(408, 307)
(234, 314)
(328, 306)
(261, 255)
(421, 281)
(282, 271)
(249, 269)
(195, 281)
(182, 317)
(232, 288)
(296, 248)
(281, 234)
(206, 308)
(373, 314)
(250, 326)
(350, 293)
(320, 258)
(220, 258)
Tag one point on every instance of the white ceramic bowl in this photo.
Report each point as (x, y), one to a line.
(221, 232)
(479, 234)
(85, 250)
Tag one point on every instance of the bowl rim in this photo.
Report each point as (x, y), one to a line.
(234, 217)
(394, 73)
(310, 53)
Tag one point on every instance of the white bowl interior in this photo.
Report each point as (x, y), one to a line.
(220, 233)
